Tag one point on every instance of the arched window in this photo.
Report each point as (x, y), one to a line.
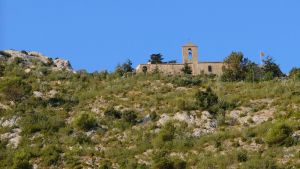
(145, 69)
(190, 52)
(209, 69)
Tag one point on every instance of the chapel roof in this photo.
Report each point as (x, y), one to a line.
(189, 44)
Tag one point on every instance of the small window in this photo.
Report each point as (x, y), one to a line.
(145, 69)
(190, 54)
(209, 69)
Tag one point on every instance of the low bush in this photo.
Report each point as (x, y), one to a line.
(129, 116)
(242, 156)
(206, 99)
(51, 155)
(85, 121)
(15, 89)
(184, 81)
(112, 112)
(258, 162)
(21, 160)
(279, 134)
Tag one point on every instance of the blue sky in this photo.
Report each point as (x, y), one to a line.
(99, 34)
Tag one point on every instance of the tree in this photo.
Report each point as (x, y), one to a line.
(156, 58)
(252, 71)
(271, 69)
(234, 67)
(186, 69)
(126, 67)
(295, 74)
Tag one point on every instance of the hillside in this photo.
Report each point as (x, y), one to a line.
(54, 117)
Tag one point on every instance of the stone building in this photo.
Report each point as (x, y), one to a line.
(189, 56)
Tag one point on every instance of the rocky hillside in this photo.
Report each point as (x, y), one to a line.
(53, 117)
(29, 58)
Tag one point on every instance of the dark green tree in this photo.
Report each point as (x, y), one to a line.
(252, 72)
(186, 69)
(126, 67)
(271, 69)
(156, 58)
(234, 67)
(295, 74)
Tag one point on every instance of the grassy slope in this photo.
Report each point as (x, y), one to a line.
(52, 136)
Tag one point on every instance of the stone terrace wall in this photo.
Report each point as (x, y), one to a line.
(169, 68)
(172, 68)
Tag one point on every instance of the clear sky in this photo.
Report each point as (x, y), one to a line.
(99, 34)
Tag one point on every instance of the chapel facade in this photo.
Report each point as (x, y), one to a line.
(190, 57)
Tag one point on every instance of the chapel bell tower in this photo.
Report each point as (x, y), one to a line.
(190, 53)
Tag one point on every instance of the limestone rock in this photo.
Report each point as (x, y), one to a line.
(62, 64)
(38, 94)
(13, 137)
(52, 93)
(3, 106)
(57, 64)
(296, 135)
(164, 118)
(9, 122)
(204, 125)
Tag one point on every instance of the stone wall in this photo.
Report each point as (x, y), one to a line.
(171, 68)
(216, 68)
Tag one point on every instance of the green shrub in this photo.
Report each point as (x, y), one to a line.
(153, 116)
(36, 121)
(163, 163)
(51, 155)
(184, 81)
(82, 138)
(260, 163)
(85, 121)
(112, 112)
(2, 69)
(186, 69)
(160, 160)
(129, 116)
(242, 156)
(21, 160)
(180, 164)
(15, 89)
(279, 134)
(165, 135)
(206, 99)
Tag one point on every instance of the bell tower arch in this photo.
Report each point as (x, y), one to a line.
(190, 53)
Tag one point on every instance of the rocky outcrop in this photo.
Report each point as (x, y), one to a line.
(62, 64)
(9, 122)
(13, 137)
(203, 125)
(56, 64)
